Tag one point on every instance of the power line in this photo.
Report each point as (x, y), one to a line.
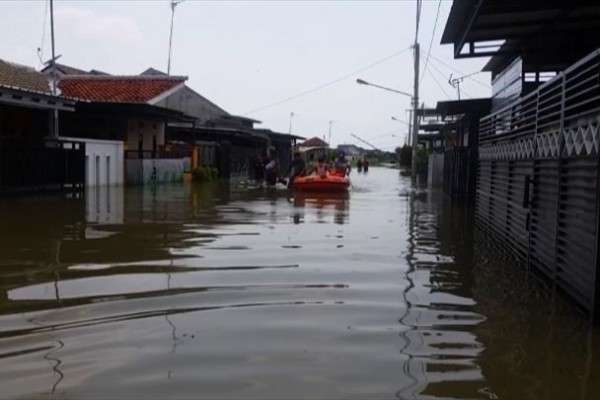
(437, 16)
(40, 50)
(439, 84)
(487, 85)
(327, 84)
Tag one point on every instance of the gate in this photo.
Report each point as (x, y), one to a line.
(50, 165)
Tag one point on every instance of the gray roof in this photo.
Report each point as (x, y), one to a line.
(21, 77)
(152, 71)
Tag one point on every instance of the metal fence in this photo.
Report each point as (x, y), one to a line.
(538, 179)
(49, 165)
(459, 176)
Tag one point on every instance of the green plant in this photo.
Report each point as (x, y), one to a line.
(205, 174)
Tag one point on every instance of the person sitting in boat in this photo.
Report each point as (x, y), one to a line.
(321, 168)
(297, 167)
(341, 165)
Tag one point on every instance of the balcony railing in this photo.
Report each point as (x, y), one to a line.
(569, 99)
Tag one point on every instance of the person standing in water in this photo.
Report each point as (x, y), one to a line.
(297, 168)
(365, 164)
(359, 165)
(341, 165)
(271, 170)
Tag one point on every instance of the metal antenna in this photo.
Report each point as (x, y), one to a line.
(456, 82)
(174, 4)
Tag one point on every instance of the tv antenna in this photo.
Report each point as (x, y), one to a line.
(174, 4)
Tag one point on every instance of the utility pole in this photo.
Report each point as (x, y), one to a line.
(174, 4)
(329, 139)
(291, 119)
(415, 116)
(53, 76)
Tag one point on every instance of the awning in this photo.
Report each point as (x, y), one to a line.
(488, 27)
(32, 99)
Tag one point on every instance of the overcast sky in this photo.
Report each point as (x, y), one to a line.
(245, 55)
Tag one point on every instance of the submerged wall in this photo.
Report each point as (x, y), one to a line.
(149, 171)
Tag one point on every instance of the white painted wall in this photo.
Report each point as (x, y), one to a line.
(104, 164)
(104, 205)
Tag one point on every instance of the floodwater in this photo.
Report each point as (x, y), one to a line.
(215, 292)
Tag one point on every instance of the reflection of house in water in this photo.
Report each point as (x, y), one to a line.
(437, 325)
(42, 239)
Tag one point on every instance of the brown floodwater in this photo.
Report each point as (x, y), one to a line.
(212, 291)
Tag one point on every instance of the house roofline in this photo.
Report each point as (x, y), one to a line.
(166, 93)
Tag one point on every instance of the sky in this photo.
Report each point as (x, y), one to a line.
(262, 59)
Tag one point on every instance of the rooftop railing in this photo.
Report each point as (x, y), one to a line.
(571, 97)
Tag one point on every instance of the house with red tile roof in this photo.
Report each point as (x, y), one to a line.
(125, 108)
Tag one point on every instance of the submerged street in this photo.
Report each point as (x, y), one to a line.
(207, 291)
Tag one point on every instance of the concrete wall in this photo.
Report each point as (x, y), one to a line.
(188, 101)
(146, 130)
(148, 171)
(103, 161)
(435, 170)
(104, 205)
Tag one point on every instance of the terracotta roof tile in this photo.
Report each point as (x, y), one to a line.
(314, 142)
(23, 77)
(118, 89)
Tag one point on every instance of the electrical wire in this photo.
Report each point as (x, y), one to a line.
(327, 84)
(443, 76)
(437, 16)
(440, 72)
(40, 50)
(487, 85)
(439, 84)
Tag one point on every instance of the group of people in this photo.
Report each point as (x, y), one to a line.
(266, 168)
(337, 166)
(362, 165)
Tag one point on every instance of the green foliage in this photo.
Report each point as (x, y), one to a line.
(422, 160)
(404, 154)
(205, 174)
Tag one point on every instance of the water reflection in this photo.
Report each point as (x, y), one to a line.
(221, 292)
(321, 203)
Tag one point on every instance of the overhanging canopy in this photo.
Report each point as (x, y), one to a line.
(489, 27)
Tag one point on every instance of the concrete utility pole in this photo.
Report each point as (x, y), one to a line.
(415, 126)
(174, 4)
(53, 76)
(329, 136)
(291, 120)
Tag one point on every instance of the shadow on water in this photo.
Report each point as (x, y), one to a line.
(220, 292)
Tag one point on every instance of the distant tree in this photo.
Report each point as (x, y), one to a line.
(404, 155)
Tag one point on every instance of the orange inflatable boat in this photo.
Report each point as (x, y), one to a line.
(327, 183)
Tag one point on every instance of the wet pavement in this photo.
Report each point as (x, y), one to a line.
(209, 291)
